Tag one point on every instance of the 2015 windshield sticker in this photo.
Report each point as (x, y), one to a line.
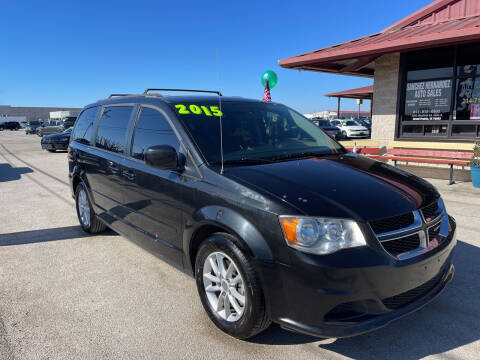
(198, 110)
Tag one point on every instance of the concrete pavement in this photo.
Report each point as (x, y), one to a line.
(67, 295)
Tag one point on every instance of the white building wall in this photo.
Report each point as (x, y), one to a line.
(57, 115)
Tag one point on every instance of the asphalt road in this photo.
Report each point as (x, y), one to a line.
(66, 295)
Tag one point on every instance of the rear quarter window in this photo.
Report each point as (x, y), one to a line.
(85, 125)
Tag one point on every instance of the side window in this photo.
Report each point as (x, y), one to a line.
(113, 127)
(85, 125)
(152, 129)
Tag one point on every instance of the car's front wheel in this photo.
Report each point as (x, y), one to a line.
(86, 215)
(229, 288)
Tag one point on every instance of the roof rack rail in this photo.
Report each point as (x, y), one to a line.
(187, 90)
(116, 95)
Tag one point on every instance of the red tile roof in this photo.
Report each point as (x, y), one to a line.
(444, 22)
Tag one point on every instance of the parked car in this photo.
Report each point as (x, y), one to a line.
(47, 128)
(324, 124)
(58, 141)
(364, 123)
(351, 129)
(277, 222)
(335, 122)
(10, 125)
(56, 126)
(68, 121)
(32, 127)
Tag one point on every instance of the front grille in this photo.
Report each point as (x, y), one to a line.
(433, 231)
(392, 223)
(431, 211)
(403, 299)
(402, 245)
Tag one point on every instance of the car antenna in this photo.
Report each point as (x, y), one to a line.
(221, 113)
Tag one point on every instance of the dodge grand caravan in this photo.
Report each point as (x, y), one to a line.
(275, 220)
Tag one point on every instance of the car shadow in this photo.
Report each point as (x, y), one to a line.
(9, 173)
(276, 335)
(449, 322)
(45, 235)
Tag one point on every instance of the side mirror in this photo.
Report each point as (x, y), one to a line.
(164, 157)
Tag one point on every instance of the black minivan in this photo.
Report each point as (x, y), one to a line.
(274, 219)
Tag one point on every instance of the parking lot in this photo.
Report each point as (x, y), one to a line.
(65, 295)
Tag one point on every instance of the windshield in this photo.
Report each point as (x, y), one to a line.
(33, 123)
(350, 123)
(323, 122)
(252, 130)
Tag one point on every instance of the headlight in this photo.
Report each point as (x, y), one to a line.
(321, 235)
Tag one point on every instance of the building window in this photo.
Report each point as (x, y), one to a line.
(441, 93)
(468, 83)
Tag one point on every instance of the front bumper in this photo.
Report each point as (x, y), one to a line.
(55, 146)
(356, 290)
(358, 135)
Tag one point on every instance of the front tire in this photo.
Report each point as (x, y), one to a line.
(229, 288)
(86, 215)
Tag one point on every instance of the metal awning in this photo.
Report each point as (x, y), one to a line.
(365, 92)
(362, 93)
(444, 22)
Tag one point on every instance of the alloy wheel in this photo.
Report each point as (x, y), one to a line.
(83, 208)
(224, 286)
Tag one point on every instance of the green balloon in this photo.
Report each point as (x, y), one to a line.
(272, 78)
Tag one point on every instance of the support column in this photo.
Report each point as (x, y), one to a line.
(338, 108)
(385, 97)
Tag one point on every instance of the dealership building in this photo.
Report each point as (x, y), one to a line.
(426, 73)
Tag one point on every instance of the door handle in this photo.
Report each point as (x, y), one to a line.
(128, 174)
(113, 167)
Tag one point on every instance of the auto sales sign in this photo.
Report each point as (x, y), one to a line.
(428, 100)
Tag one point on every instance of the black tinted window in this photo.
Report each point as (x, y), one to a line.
(152, 129)
(112, 128)
(85, 125)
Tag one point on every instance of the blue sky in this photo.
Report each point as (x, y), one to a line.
(64, 53)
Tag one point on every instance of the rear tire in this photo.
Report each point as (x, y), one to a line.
(237, 281)
(88, 220)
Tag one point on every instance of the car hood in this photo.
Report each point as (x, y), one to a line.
(58, 136)
(343, 186)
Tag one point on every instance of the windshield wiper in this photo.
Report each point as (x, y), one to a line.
(245, 161)
(298, 155)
